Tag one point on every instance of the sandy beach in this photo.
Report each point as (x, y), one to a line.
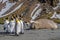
(42, 34)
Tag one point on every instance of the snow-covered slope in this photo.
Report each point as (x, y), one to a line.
(13, 10)
(7, 7)
(3, 1)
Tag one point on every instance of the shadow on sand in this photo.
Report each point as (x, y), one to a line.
(6, 34)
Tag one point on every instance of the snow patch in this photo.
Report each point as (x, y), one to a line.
(12, 10)
(58, 6)
(55, 15)
(0, 0)
(35, 9)
(7, 7)
(37, 13)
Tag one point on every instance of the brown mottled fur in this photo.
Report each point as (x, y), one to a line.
(45, 24)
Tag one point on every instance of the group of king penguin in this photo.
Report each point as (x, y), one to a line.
(14, 25)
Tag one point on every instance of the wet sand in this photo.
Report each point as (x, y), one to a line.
(42, 34)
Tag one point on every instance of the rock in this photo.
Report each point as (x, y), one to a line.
(44, 24)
